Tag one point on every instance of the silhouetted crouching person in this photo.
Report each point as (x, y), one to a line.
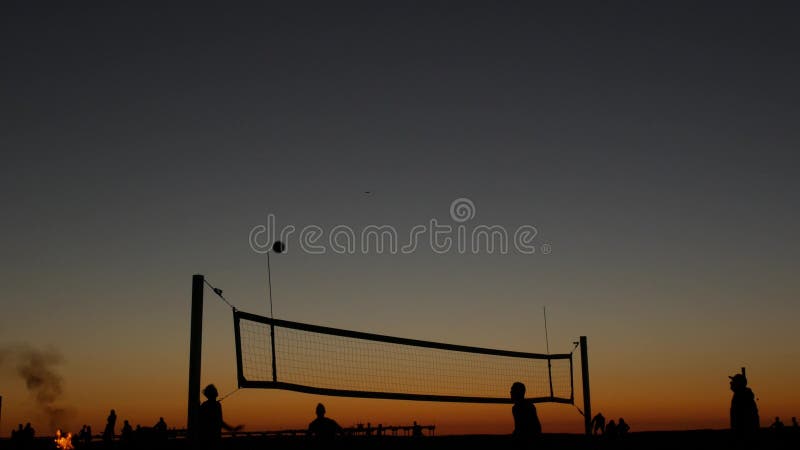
(323, 428)
(526, 421)
(210, 423)
(744, 412)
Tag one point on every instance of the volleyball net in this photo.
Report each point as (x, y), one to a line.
(279, 354)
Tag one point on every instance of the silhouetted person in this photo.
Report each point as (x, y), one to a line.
(416, 430)
(744, 412)
(210, 423)
(598, 424)
(611, 429)
(18, 437)
(777, 425)
(108, 432)
(17, 434)
(24, 436)
(82, 435)
(126, 435)
(27, 436)
(622, 427)
(160, 429)
(795, 425)
(526, 421)
(29, 432)
(323, 428)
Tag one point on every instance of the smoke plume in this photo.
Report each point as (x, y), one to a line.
(39, 369)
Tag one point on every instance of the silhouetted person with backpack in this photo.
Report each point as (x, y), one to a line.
(526, 421)
(210, 423)
(598, 424)
(323, 428)
(744, 412)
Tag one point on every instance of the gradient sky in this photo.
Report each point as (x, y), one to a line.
(652, 145)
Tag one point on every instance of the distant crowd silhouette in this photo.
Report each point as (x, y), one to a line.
(610, 430)
(129, 436)
(744, 424)
(23, 437)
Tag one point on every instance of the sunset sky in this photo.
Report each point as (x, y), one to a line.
(653, 145)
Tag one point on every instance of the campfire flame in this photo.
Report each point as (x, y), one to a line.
(63, 442)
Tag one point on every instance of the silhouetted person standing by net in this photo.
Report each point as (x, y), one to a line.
(323, 428)
(744, 412)
(210, 423)
(526, 421)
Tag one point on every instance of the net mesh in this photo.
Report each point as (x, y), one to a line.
(333, 362)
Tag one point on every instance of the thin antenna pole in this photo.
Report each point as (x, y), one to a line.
(271, 325)
(546, 337)
(269, 286)
(547, 343)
